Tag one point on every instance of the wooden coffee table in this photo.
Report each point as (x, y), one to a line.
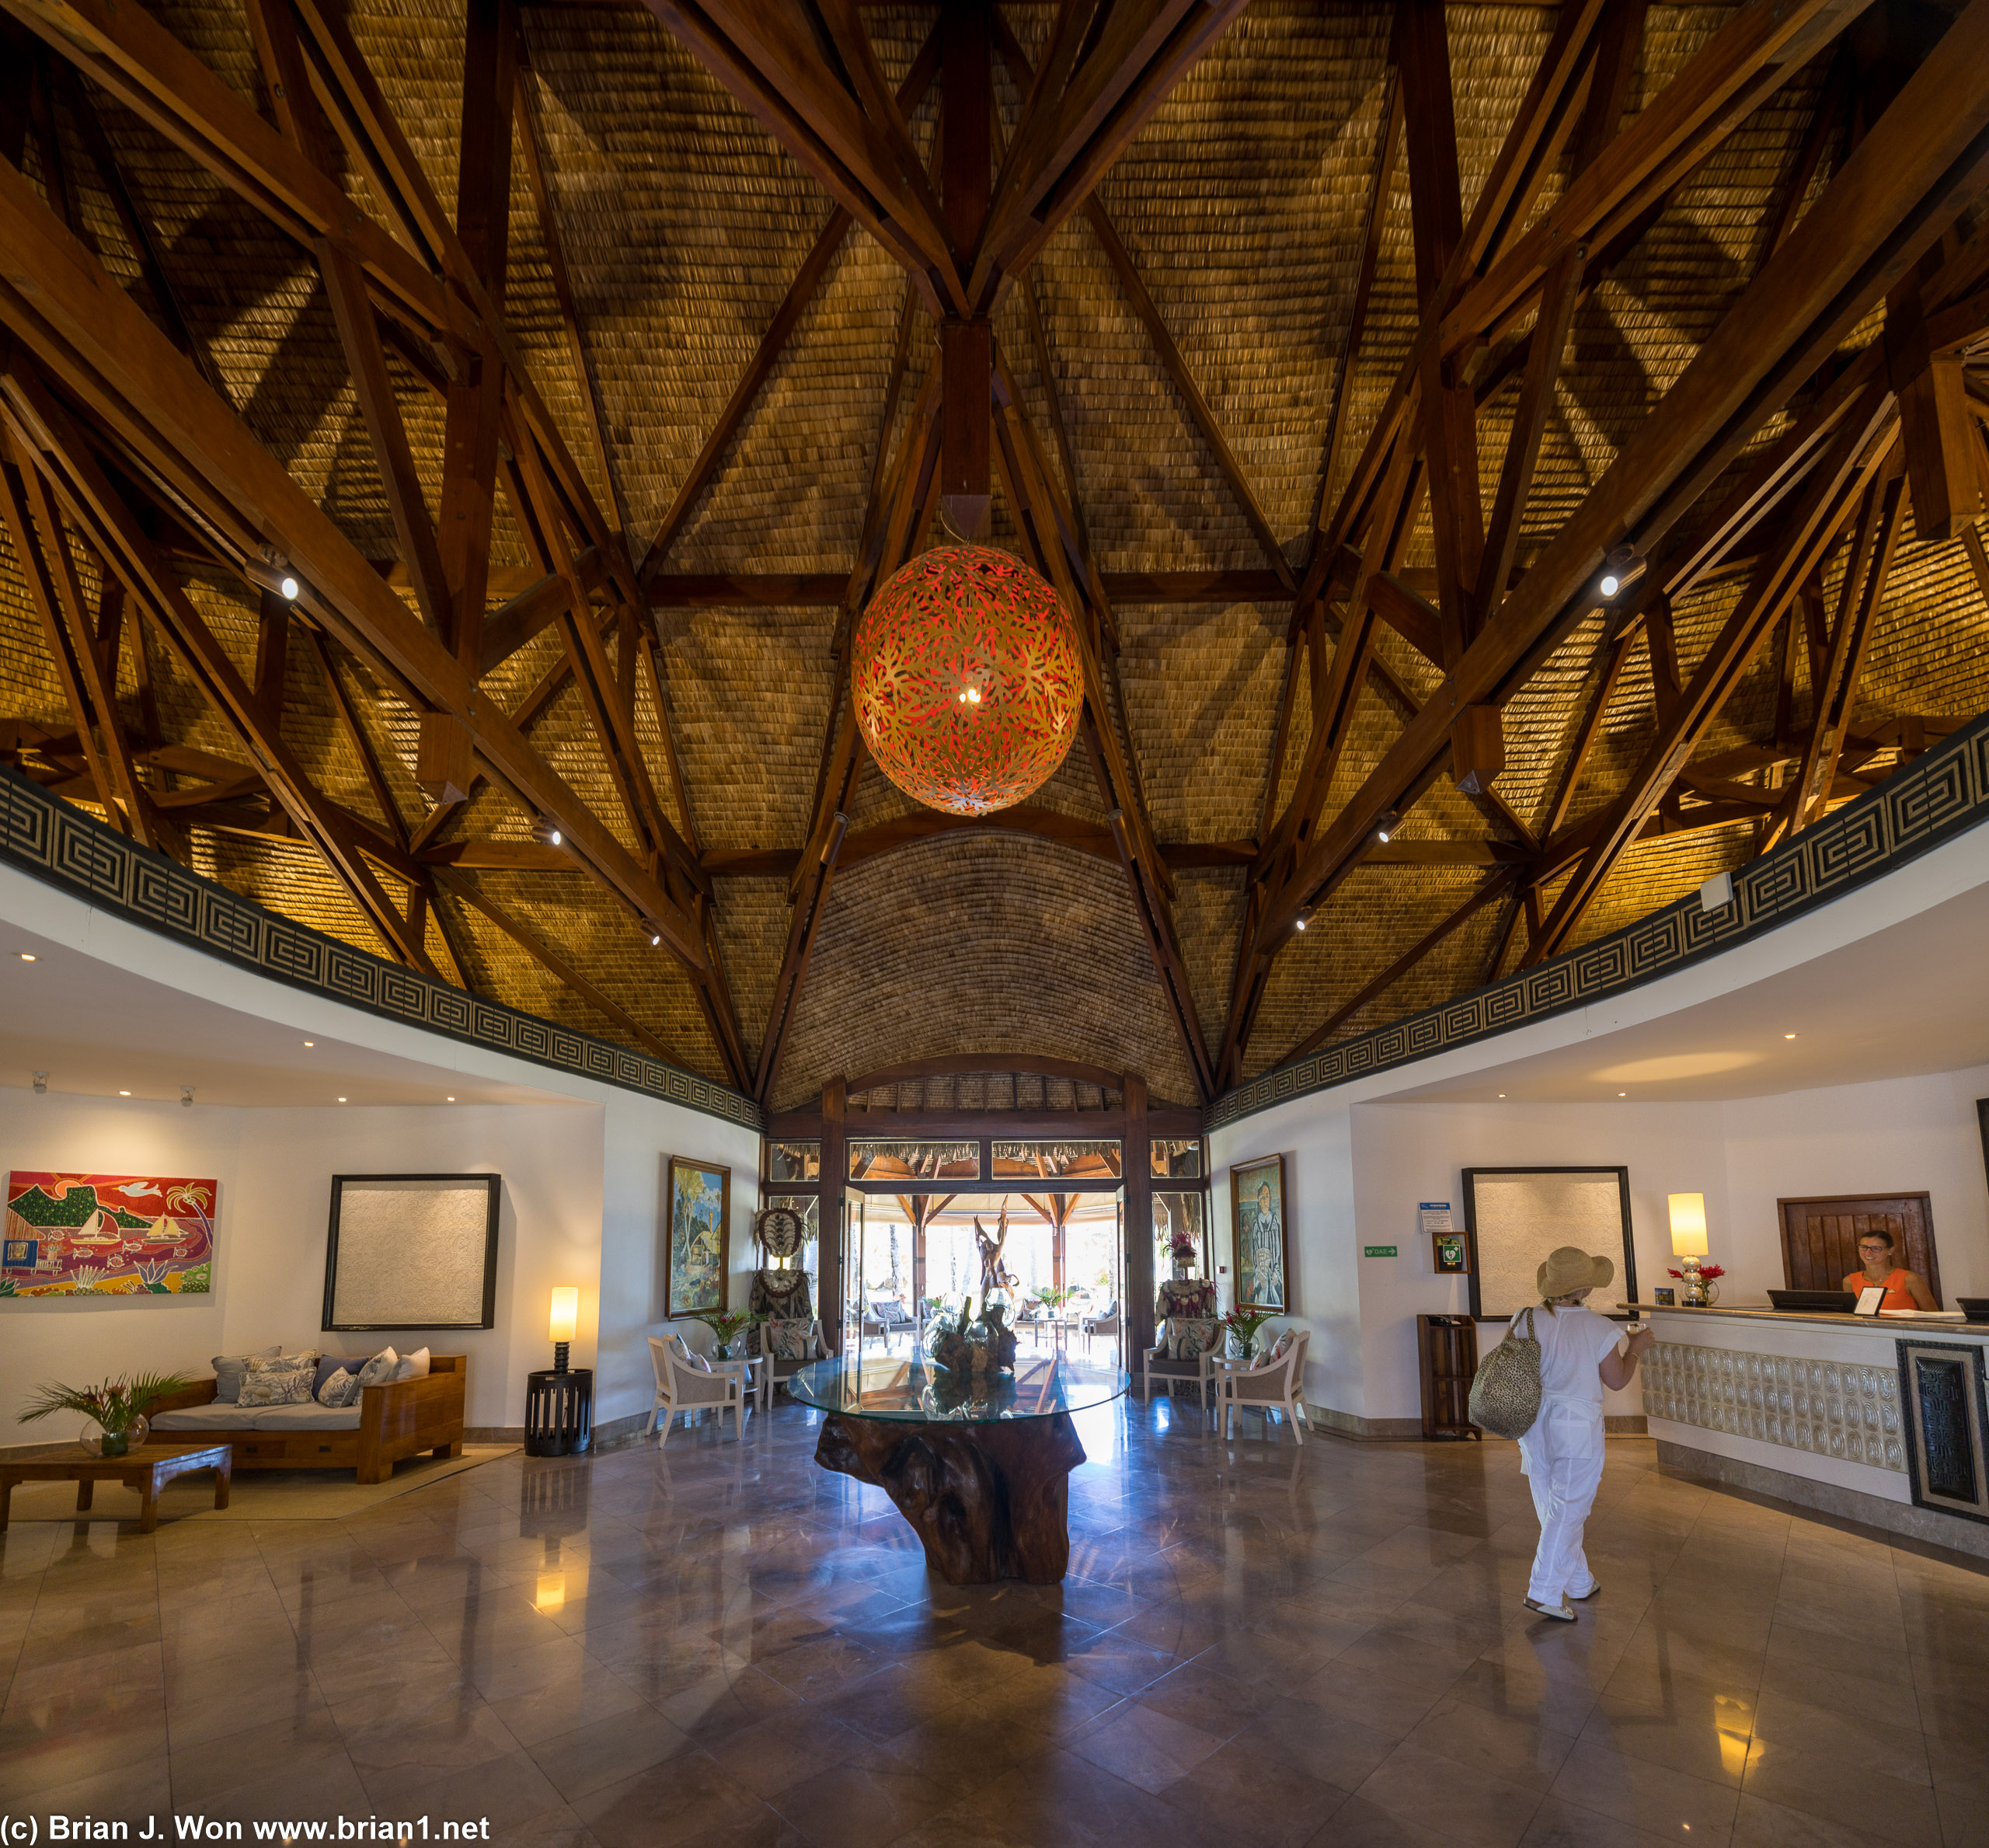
(148, 1470)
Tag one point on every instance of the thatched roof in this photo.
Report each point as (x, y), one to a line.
(681, 223)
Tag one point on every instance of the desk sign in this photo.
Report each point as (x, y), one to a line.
(1378, 1251)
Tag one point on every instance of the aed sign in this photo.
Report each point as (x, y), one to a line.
(1379, 1251)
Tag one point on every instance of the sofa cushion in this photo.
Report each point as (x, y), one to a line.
(380, 1369)
(413, 1366)
(790, 1341)
(1189, 1337)
(340, 1390)
(308, 1416)
(283, 1381)
(230, 1367)
(328, 1364)
(216, 1417)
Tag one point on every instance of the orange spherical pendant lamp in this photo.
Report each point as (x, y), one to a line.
(966, 680)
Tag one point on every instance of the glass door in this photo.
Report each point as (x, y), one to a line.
(850, 1339)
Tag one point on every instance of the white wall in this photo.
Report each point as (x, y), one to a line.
(1903, 1135)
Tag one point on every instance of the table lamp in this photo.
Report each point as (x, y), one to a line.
(565, 1315)
(1689, 1242)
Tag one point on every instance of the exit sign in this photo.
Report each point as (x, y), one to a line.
(1380, 1251)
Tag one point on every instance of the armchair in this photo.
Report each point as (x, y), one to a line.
(1157, 1363)
(1276, 1384)
(776, 1368)
(1104, 1322)
(680, 1387)
(892, 1319)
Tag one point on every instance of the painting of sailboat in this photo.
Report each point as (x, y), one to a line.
(107, 1234)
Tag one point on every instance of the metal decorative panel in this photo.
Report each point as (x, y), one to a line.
(42, 835)
(1941, 794)
(1831, 1408)
(1947, 1426)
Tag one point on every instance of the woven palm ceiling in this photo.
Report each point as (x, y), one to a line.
(579, 365)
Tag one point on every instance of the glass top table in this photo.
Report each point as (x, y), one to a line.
(920, 1391)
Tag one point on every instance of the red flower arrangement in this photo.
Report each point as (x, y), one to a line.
(1707, 1272)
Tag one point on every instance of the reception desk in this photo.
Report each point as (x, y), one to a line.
(1882, 1421)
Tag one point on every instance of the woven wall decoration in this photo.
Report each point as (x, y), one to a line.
(966, 680)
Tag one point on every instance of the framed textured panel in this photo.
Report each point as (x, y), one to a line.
(1260, 1211)
(1513, 1217)
(699, 1237)
(1820, 1236)
(409, 1251)
(1947, 1427)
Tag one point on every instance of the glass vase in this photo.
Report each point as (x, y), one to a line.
(118, 1443)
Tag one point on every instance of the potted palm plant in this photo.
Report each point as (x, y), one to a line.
(119, 1407)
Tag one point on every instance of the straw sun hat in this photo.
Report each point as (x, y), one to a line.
(1571, 1268)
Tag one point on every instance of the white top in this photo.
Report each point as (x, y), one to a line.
(1572, 1342)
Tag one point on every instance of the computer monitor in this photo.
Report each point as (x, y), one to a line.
(1813, 1302)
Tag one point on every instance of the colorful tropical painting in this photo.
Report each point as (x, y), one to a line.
(1257, 1219)
(700, 1204)
(107, 1234)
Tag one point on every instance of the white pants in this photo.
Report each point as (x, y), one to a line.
(1561, 1458)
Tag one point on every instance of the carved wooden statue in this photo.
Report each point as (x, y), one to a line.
(993, 1277)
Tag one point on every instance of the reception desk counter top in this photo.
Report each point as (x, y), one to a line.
(1824, 1410)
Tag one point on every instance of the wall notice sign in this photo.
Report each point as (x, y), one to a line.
(1436, 1217)
(1379, 1251)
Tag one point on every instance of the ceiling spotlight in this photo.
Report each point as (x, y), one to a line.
(1387, 824)
(124, 1093)
(546, 833)
(1622, 1093)
(341, 1101)
(1620, 569)
(290, 587)
(310, 1042)
(26, 957)
(1502, 1093)
(1301, 917)
(449, 1100)
(185, 1097)
(656, 940)
(1789, 1036)
(41, 1084)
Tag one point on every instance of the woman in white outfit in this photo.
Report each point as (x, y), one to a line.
(1562, 1456)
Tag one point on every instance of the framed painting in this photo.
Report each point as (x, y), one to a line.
(412, 1251)
(699, 1237)
(1258, 1217)
(107, 1234)
(1513, 1217)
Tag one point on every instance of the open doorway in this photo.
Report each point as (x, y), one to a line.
(907, 1257)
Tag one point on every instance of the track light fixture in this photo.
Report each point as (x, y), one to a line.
(547, 833)
(41, 1084)
(1620, 569)
(1386, 825)
(290, 587)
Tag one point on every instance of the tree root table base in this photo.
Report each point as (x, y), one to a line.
(989, 1501)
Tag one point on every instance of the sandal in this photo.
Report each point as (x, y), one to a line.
(1559, 1613)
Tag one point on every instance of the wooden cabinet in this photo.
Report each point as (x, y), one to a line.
(1820, 1237)
(1448, 1349)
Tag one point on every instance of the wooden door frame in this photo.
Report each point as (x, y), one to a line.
(1933, 1273)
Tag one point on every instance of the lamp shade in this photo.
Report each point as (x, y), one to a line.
(1688, 1225)
(566, 1312)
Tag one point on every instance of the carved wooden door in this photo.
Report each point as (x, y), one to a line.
(1820, 1237)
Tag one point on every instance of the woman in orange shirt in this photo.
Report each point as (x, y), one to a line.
(1905, 1289)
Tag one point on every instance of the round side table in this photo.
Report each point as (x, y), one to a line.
(559, 1412)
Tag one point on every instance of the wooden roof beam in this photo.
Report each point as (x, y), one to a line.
(1923, 160)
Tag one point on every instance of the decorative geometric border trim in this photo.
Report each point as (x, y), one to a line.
(47, 838)
(1942, 794)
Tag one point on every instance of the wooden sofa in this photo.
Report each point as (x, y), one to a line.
(406, 1419)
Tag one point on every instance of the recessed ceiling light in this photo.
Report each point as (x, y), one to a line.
(451, 1101)
(1502, 1093)
(1789, 1036)
(341, 1101)
(310, 1042)
(1622, 1093)
(25, 957)
(124, 1093)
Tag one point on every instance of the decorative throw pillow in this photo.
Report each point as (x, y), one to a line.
(380, 1369)
(328, 1364)
(284, 1381)
(690, 1356)
(229, 1368)
(1283, 1345)
(341, 1389)
(1190, 1337)
(788, 1340)
(413, 1366)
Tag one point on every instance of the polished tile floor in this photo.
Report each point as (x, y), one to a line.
(719, 1644)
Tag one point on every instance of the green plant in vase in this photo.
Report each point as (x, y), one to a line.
(1243, 1325)
(120, 1407)
(726, 1325)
